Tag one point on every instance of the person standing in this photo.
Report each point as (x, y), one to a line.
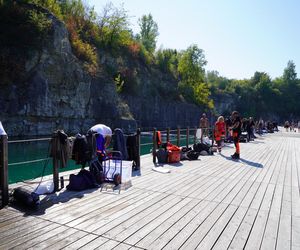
(204, 124)
(236, 131)
(298, 126)
(251, 128)
(220, 130)
(104, 137)
(286, 125)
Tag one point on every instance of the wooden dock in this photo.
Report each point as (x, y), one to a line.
(212, 203)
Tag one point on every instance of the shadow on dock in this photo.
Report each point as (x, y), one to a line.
(51, 199)
(244, 161)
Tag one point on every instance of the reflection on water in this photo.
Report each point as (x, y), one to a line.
(28, 151)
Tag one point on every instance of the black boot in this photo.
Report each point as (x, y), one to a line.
(235, 156)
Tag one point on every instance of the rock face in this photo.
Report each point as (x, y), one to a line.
(224, 104)
(155, 112)
(57, 93)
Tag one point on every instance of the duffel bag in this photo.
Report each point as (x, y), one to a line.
(162, 155)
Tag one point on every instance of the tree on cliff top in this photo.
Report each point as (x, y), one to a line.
(191, 74)
(149, 32)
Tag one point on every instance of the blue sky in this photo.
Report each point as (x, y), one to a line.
(238, 37)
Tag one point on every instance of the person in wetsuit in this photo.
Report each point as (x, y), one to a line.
(236, 131)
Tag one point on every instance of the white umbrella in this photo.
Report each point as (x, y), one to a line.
(2, 131)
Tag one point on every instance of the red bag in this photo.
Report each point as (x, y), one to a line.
(173, 153)
(173, 156)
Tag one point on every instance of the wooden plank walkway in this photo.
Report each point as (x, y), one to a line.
(212, 203)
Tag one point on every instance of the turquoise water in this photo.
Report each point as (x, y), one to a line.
(29, 151)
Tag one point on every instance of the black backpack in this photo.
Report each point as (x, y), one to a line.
(83, 180)
(26, 197)
(201, 147)
(192, 155)
(96, 170)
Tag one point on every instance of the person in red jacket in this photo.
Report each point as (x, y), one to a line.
(220, 131)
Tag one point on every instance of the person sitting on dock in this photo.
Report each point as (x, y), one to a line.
(236, 131)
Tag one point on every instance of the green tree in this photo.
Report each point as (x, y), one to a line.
(289, 73)
(113, 26)
(191, 65)
(167, 60)
(192, 75)
(148, 33)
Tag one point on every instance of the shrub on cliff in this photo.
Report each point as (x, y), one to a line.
(22, 31)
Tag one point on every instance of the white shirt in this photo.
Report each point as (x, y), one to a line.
(102, 129)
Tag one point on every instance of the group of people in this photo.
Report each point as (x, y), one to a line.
(222, 128)
(292, 126)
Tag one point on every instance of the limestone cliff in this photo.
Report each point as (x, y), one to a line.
(54, 91)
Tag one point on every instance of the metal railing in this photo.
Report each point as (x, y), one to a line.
(178, 132)
(174, 136)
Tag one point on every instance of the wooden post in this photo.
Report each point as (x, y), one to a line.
(138, 139)
(154, 146)
(178, 136)
(195, 138)
(168, 134)
(55, 165)
(213, 136)
(187, 136)
(4, 170)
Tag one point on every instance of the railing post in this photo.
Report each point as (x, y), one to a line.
(55, 164)
(154, 146)
(4, 170)
(138, 139)
(178, 136)
(168, 134)
(195, 138)
(213, 136)
(187, 136)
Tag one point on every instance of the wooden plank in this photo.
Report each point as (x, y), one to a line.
(270, 234)
(295, 233)
(284, 232)
(17, 227)
(56, 239)
(242, 234)
(73, 213)
(108, 245)
(94, 243)
(101, 219)
(17, 240)
(151, 225)
(123, 246)
(130, 215)
(81, 242)
(255, 202)
(127, 228)
(145, 240)
(212, 235)
(197, 229)
(91, 213)
(227, 235)
(36, 240)
(257, 230)
(179, 231)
